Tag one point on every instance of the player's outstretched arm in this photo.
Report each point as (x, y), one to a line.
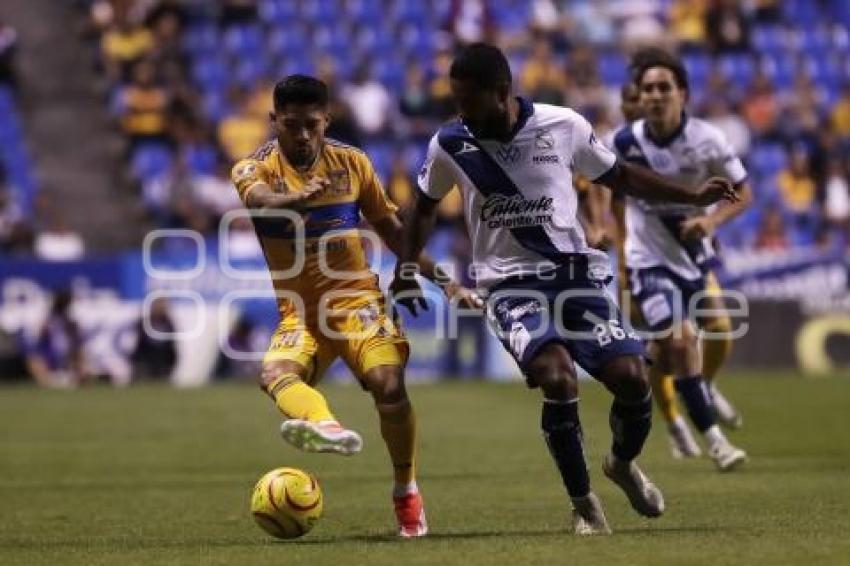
(640, 182)
(262, 197)
(392, 233)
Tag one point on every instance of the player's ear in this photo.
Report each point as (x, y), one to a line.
(272, 117)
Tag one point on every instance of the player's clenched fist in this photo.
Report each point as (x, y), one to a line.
(715, 189)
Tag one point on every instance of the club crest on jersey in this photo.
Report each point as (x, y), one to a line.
(543, 139)
(340, 183)
(508, 153)
(244, 171)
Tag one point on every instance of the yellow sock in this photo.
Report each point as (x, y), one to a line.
(665, 395)
(716, 351)
(398, 428)
(297, 400)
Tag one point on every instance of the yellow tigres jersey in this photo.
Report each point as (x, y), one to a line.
(329, 220)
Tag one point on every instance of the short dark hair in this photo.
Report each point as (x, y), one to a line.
(484, 65)
(648, 57)
(300, 89)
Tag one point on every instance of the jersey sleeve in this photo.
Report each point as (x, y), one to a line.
(247, 174)
(436, 177)
(589, 156)
(725, 163)
(374, 203)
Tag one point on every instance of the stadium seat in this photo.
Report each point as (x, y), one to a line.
(770, 38)
(274, 12)
(201, 38)
(613, 68)
(211, 73)
(150, 160)
(244, 41)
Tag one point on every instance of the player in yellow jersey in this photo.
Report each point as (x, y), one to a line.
(307, 193)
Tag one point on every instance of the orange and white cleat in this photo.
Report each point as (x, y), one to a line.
(410, 513)
(323, 436)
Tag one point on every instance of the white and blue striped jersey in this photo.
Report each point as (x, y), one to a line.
(518, 197)
(692, 154)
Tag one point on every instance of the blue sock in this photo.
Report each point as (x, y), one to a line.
(562, 431)
(630, 424)
(694, 393)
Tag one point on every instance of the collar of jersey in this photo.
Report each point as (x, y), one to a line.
(526, 110)
(669, 139)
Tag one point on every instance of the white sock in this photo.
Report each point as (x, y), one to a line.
(714, 436)
(678, 423)
(402, 489)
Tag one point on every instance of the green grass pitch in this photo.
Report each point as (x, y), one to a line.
(152, 475)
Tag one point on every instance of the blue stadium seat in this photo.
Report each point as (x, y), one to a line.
(319, 10)
(201, 38)
(278, 11)
(249, 71)
(613, 68)
(246, 41)
(738, 68)
(215, 105)
(150, 160)
(767, 159)
(802, 12)
(698, 66)
(381, 154)
(201, 159)
(211, 73)
(771, 38)
(289, 40)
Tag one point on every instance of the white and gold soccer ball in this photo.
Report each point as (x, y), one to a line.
(287, 502)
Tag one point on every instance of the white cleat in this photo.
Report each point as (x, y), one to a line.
(726, 413)
(726, 456)
(644, 495)
(682, 441)
(324, 436)
(588, 517)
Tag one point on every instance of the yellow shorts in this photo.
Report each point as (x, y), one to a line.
(359, 331)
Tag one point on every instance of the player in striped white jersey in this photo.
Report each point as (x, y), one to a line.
(668, 247)
(514, 163)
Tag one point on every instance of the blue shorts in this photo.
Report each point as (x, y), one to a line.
(662, 296)
(528, 313)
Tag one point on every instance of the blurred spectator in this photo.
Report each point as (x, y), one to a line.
(591, 22)
(726, 26)
(123, 44)
(214, 192)
(760, 106)
(720, 114)
(54, 356)
(468, 21)
(771, 232)
(142, 106)
(15, 234)
(440, 88)
(687, 23)
(545, 18)
(415, 103)
(166, 25)
(797, 187)
(400, 182)
(245, 338)
(238, 12)
(368, 101)
(542, 79)
(837, 195)
(840, 114)
(56, 241)
(155, 353)
(8, 47)
(766, 11)
(641, 22)
(240, 133)
(242, 242)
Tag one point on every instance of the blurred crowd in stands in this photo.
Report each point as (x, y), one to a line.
(189, 86)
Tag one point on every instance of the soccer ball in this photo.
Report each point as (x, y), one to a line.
(287, 502)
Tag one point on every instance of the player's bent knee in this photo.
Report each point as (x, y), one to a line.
(386, 384)
(552, 370)
(627, 377)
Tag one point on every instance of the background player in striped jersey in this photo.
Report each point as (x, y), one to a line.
(670, 255)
